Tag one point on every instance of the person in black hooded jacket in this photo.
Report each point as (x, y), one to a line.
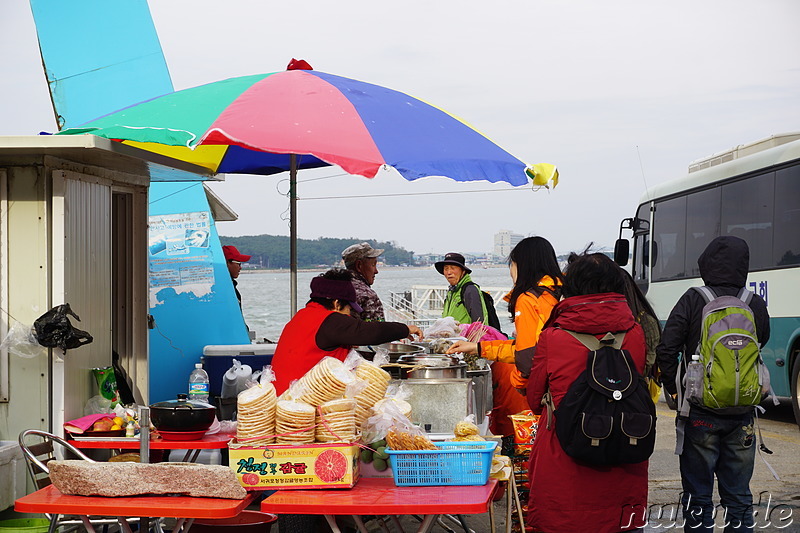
(713, 443)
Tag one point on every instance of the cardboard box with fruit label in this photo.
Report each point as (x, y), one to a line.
(282, 466)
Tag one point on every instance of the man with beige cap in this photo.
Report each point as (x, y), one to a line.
(362, 261)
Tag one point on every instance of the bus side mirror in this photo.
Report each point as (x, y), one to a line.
(621, 252)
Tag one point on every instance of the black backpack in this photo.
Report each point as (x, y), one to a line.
(607, 416)
(491, 313)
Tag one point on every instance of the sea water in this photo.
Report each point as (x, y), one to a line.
(265, 294)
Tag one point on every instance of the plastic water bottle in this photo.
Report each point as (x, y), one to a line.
(694, 379)
(198, 384)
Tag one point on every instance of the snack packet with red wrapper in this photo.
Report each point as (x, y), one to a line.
(525, 425)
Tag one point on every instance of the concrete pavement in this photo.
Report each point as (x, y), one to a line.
(777, 502)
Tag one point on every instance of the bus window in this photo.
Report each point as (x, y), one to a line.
(702, 225)
(747, 209)
(669, 234)
(641, 246)
(787, 217)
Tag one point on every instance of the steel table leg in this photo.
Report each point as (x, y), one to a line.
(360, 524)
(427, 523)
(332, 523)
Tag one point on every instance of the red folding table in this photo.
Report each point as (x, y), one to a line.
(216, 441)
(184, 508)
(381, 497)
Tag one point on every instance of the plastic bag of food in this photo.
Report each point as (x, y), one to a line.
(376, 426)
(403, 437)
(352, 360)
(397, 394)
(442, 328)
(54, 329)
(325, 381)
(525, 425)
(381, 357)
(21, 341)
(97, 404)
(467, 430)
(397, 430)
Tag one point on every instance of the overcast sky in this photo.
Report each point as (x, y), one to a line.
(620, 95)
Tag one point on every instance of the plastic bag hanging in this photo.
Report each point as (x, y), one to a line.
(54, 330)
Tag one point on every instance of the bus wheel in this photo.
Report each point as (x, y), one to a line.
(796, 386)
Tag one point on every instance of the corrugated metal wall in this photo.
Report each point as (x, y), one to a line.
(87, 280)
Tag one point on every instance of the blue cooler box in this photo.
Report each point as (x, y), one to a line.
(218, 359)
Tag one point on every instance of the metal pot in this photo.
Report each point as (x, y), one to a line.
(395, 349)
(436, 366)
(182, 415)
(427, 346)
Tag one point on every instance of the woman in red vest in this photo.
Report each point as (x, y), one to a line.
(324, 327)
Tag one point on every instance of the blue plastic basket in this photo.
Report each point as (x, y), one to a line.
(454, 463)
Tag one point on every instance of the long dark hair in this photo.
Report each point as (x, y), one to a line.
(637, 301)
(535, 259)
(592, 274)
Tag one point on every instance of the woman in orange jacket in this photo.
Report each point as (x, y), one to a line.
(537, 287)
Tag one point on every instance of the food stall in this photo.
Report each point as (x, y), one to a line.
(75, 231)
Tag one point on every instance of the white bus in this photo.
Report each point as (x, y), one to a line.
(753, 192)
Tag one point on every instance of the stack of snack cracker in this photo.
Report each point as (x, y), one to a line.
(326, 381)
(294, 422)
(256, 415)
(336, 421)
(378, 380)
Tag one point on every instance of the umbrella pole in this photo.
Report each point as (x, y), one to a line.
(293, 233)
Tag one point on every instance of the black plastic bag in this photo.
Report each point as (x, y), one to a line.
(54, 330)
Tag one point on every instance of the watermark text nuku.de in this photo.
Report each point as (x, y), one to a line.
(767, 514)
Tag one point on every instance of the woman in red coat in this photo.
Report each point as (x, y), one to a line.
(567, 496)
(324, 328)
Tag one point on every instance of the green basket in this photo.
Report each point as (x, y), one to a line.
(28, 525)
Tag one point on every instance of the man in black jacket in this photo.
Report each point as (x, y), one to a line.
(713, 443)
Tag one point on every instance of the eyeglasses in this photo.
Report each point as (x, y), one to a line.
(234, 262)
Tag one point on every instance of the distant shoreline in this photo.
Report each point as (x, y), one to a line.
(380, 267)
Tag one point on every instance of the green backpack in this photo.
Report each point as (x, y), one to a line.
(734, 377)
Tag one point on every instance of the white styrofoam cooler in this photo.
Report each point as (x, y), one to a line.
(12, 473)
(239, 349)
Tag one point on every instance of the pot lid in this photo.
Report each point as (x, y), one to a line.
(429, 360)
(182, 402)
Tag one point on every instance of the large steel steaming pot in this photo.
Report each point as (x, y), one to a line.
(395, 349)
(432, 366)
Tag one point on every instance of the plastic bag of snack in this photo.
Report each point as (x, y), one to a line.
(398, 394)
(442, 328)
(352, 360)
(408, 438)
(256, 410)
(398, 431)
(467, 430)
(327, 380)
(381, 357)
(525, 425)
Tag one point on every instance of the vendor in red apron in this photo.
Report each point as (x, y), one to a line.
(324, 327)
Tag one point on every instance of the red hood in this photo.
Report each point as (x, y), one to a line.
(594, 313)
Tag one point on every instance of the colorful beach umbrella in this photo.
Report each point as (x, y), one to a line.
(251, 124)
(302, 118)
